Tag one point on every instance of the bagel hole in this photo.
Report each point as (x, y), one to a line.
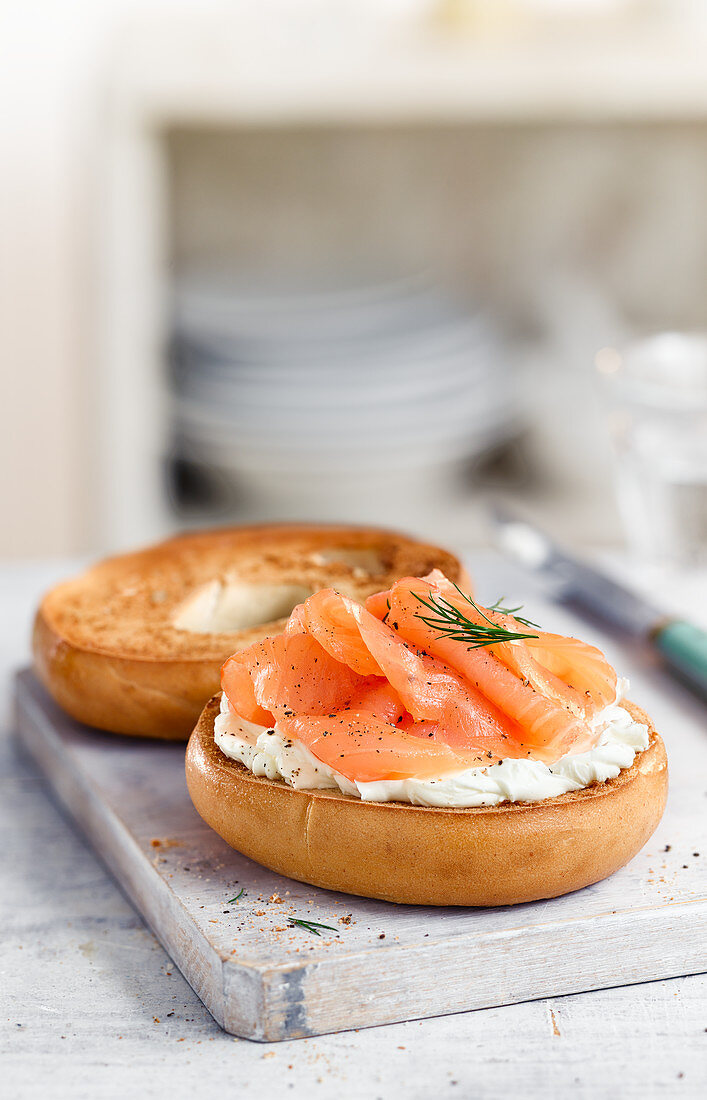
(226, 607)
(363, 562)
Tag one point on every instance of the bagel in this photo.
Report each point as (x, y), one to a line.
(488, 855)
(135, 644)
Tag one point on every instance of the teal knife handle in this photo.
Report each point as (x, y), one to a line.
(684, 648)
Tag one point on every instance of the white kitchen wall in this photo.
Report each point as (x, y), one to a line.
(55, 60)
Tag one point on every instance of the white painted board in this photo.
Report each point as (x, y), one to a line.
(263, 980)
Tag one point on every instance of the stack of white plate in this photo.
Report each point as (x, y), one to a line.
(349, 402)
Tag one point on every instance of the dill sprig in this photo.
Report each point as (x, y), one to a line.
(236, 897)
(312, 926)
(451, 622)
(512, 611)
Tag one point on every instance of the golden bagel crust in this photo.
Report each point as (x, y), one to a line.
(105, 646)
(417, 855)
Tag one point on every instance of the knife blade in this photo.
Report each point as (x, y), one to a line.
(682, 645)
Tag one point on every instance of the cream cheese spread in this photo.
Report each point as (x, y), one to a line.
(266, 753)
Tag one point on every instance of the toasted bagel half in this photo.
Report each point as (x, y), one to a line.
(136, 643)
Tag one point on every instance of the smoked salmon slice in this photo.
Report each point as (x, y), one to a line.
(286, 673)
(551, 712)
(428, 689)
(577, 664)
(377, 697)
(575, 674)
(366, 750)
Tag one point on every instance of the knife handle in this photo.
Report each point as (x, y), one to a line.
(684, 648)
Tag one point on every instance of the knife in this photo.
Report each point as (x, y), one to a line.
(682, 645)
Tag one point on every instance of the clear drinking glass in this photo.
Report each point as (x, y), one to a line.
(656, 397)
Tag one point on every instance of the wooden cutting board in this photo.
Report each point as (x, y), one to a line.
(262, 979)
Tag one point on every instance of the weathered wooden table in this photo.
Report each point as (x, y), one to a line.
(95, 1006)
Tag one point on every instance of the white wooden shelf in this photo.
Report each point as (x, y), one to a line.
(215, 71)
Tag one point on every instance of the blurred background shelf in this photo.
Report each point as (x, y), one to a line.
(331, 67)
(544, 163)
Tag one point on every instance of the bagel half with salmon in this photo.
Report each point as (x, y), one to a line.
(135, 644)
(424, 749)
(421, 855)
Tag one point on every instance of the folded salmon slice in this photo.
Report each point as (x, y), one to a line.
(364, 749)
(377, 697)
(581, 666)
(428, 689)
(551, 712)
(575, 674)
(286, 674)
